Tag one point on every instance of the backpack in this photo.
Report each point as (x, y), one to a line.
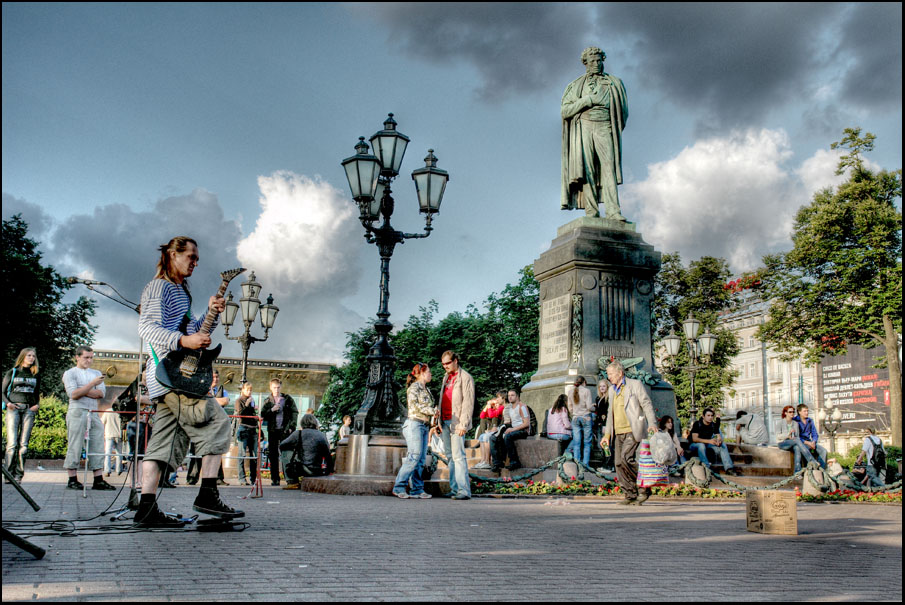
(878, 458)
(532, 423)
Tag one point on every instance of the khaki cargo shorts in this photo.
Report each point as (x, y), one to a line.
(179, 420)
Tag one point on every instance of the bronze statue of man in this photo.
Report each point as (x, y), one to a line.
(594, 111)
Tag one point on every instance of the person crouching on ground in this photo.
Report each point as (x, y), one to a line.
(415, 430)
(308, 452)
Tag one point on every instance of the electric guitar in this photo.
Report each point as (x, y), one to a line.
(190, 371)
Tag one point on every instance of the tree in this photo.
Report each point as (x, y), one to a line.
(35, 315)
(498, 347)
(842, 281)
(700, 289)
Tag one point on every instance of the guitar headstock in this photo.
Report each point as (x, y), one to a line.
(227, 276)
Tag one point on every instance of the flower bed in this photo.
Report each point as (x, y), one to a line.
(676, 490)
(848, 495)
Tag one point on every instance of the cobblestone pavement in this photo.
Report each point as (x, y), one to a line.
(307, 547)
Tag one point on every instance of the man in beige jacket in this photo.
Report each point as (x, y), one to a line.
(629, 419)
(456, 408)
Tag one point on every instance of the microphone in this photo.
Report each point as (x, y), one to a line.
(87, 282)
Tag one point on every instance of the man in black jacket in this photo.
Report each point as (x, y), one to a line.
(280, 414)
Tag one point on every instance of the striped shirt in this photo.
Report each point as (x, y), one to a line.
(163, 306)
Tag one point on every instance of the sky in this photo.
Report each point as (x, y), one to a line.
(124, 125)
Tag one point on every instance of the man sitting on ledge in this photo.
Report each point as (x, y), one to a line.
(705, 435)
(505, 443)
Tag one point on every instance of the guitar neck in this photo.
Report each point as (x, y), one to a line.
(211, 316)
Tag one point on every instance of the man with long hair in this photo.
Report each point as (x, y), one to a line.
(166, 323)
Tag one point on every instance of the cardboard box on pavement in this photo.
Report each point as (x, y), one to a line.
(772, 512)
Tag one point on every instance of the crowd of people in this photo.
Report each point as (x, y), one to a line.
(174, 423)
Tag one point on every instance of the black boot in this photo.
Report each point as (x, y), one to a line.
(209, 503)
(148, 515)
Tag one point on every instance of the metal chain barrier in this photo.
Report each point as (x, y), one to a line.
(825, 484)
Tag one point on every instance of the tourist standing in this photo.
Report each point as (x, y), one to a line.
(247, 434)
(85, 386)
(21, 398)
(415, 430)
(629, 419)
(456, 408)
(280, 414)
(578, 397)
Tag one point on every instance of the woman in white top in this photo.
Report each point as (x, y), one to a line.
(504, 444)
(581, 408)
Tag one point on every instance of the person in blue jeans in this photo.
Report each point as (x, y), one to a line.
(807, 432)
(21, 398)
(581, 408)
(789, 439)
(416, 428)
(705, 435)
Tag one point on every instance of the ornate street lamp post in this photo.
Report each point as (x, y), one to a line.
(250, 305)
(370, 176)
(699, 350)
(831, 427)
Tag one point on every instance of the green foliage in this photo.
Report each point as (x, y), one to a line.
(40, 319)
(842, 280)
(699, 289)
(498, 347)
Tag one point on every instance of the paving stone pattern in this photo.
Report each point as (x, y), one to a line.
(314, 547)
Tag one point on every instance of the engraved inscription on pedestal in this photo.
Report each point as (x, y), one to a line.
(556, 325)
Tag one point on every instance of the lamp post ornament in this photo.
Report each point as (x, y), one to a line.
(370, 177)
(250, 304)
(699, 349)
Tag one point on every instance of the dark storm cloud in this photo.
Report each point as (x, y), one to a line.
(871, 49)
(39, 222)
(732, 63)
(516, 47)
(118, 245)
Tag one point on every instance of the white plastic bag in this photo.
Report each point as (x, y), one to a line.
(662, 449)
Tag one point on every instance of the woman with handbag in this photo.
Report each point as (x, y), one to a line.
(21, 398)
(421, 409)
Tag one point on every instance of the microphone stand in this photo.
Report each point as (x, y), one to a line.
(133, 501)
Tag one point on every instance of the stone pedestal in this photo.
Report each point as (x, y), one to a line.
(596, 289)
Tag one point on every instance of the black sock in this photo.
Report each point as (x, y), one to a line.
(209, 483)
(98, 479)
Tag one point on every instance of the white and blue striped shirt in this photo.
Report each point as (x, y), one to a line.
(163, 306)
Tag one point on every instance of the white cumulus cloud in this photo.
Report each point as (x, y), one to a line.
(734, 197)
(300, 251)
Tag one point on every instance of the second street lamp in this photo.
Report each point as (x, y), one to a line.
(249, 304)
(699, 351)
(370, 177)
